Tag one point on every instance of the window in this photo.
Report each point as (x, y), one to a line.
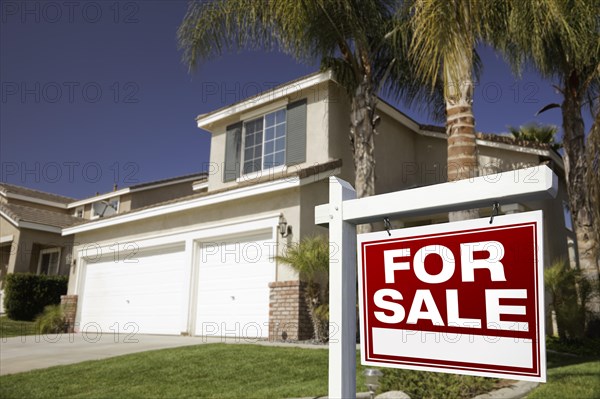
(264, 142)
(105, 208)
(78, 212)
(272, 140)
(49, 261)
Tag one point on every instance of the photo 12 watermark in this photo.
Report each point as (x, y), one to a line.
(70, 12)
(69, 92)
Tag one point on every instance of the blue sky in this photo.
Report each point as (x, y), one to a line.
(93, 93)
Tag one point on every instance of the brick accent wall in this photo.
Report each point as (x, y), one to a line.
(69, 303)
(288, 315)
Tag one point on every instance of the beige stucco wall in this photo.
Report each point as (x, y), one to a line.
(125, 203)
(139, 199)
(394, 153)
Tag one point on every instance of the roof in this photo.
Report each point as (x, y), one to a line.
(196, 176)
(288, 88)
(292, 173)
(20, 213)
(10, 188)
(498, 138)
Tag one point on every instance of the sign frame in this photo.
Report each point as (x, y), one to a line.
(440, 354)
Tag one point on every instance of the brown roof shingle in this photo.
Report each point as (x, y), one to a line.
(11, 188)
(20, 213)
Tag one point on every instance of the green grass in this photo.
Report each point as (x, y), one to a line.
(570, 377)
(253, 371)
(11, 328)
(213, 371)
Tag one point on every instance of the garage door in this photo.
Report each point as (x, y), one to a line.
(147, 295)
(233, 286)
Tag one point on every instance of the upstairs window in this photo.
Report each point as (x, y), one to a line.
(272, 140)
(264, 142)
(105, 208)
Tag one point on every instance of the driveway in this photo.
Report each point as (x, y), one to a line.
(31, 352)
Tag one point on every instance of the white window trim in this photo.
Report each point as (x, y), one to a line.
(92, 213)
(49, 251)
(262, 172)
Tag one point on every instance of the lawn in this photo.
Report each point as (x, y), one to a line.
(10, 328)
(570, 377)
(253, 371)
(203, 371)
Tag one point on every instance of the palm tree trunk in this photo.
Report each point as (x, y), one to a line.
(460, 129)
(575, 169)
(363, 122)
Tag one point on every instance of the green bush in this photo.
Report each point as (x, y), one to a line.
(26, 295)
(428, 385)
(570, 293)
(581, 347)
(51, 321)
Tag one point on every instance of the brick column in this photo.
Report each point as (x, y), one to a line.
(288, 315)
(69, 305)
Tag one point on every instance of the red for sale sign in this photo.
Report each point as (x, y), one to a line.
(464, 297)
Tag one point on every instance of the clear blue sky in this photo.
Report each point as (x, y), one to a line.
(93, 93)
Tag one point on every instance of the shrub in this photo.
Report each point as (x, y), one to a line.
(51, 320)
(26, 295)
(571, 292)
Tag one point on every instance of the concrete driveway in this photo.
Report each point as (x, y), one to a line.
(32, 352)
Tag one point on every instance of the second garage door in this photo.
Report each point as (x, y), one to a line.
(142, 293)
(233, 286)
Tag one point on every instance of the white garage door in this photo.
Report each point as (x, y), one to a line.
(233, 286)
(147, 296)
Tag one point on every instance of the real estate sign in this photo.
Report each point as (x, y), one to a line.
(464, 297)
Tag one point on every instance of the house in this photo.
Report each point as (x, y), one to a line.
(31, 221)
(203, 264)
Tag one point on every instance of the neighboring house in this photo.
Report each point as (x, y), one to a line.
(31, 221)
(203, 264)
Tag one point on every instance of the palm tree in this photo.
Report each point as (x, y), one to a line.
(562, 40)
(349, 37)
(310, 258)
(445, 34)
(536, 133)
(592, 179)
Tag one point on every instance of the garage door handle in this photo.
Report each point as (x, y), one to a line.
(232, 298)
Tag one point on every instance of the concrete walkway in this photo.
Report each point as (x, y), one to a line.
(32, 352)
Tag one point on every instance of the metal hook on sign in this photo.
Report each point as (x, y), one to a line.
(387, 225)
(495, 210)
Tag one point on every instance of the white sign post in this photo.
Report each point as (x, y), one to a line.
(344, 212)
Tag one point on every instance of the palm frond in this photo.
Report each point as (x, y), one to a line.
(309, 257)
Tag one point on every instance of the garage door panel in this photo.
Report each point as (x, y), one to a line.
(233, 289)
(149, 293)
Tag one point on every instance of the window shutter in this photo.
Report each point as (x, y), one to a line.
(295, 147)
(233, 147)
